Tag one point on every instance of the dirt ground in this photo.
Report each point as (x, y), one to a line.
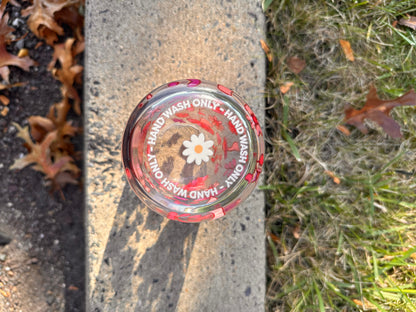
(42, 268)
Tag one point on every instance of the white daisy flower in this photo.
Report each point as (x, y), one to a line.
(197, 149)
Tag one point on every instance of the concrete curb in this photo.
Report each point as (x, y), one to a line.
(137, 260)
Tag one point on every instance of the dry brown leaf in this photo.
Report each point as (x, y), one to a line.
(41, 159)
(296, 231)
(410, 21)
(40, 127)
(4, 111)
(5, 29)
(69, 72)
(346, 47)
(333, 176)
(6, 58)
(56, 120)
(296, 64)
(366, 304)
(4, 293)
(71, 17)
(266, 50)
(274, 238)
(42, 21)
(284, 88)
(5, 100)
(379, 111)
(344, 130)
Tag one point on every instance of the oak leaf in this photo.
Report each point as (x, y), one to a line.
(42, 20)
(69, 71)
(56, 120)
(6, 58)
(378, 111)
(41, 159)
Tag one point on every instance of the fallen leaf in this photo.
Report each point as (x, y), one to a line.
(41, 159)
(4, 100)
(296, 64)
(4, 293)
(346, 47)
(410, 21)
(284, 88)
(333, 176)
(72, 17)
(379, 111)
(56, 120)
(266, 50)
(296, 231)
(4, 111)
(69, 71)
(7, 59)
(344, 130)
(274, 238)
(366, 304)
(42, 21)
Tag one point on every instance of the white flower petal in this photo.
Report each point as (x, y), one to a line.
(192, 155)
(187, 152)
(190, 158)
(201, 138)
(198, 160)
(205, 158)
(208, 144)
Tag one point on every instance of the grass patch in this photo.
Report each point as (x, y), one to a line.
(350, 245)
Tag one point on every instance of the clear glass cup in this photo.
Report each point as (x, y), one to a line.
(192, 150)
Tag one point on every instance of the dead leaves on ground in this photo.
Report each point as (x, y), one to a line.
(69, 71)
(58, 168)
(409, 21)
(378, 111)
(49, 146)
(6, 58)
(48, 139)
(295, 64)
(266, 50)
(346, 47)
(45, 17)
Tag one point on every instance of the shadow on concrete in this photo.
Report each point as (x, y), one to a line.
(133, 279)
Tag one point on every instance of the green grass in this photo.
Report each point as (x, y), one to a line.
(349, 246)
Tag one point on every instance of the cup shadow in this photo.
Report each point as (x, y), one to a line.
(133, 277)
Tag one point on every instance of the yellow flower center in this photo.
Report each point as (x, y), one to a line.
(198, 149)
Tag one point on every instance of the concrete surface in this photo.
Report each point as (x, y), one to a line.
(139, 261)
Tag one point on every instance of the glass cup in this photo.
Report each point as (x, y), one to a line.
(192, 150)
